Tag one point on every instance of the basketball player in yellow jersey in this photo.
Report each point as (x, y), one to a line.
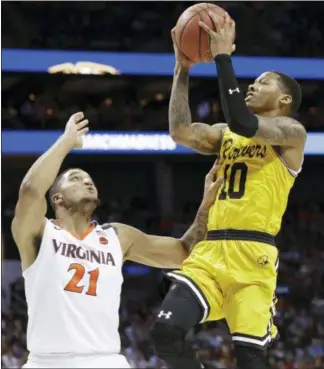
(232, 274)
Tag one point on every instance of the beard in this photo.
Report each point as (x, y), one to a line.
(90, 202)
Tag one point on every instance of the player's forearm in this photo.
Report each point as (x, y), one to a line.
(179, 110)
(43, 172)
(240, 120)
(198, 230)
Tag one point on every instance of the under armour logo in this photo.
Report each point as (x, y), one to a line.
(166, 315)
(235, 90)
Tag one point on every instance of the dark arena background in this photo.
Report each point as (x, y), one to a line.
(114, 61)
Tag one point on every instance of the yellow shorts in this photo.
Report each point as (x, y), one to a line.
(235, 280)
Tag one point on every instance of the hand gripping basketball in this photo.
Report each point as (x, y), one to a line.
(222, 39)
(181, 60)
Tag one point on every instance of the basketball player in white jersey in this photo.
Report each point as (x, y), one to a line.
(73, 267)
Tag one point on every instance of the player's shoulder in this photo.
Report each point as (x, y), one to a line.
(109, 226)
(220, 126)
(299, 129)
(285, 119)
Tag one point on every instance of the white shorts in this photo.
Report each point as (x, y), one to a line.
(76, 361)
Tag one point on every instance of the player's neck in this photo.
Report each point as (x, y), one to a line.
(270, 113)
(75, 223)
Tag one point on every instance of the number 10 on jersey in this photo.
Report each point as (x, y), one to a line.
(234, 181)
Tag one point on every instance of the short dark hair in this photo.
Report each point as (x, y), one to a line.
(55, 188)
(291, 87)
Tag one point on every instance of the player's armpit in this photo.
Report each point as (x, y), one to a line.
(155, 251)
(29, 219)
(200, 137)
(281, 131)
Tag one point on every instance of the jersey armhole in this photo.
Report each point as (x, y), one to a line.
(106, 226)
(40, 250)
(109, 226)
(294, 173)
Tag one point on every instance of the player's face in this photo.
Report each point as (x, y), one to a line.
(264, 94)
(77, 187)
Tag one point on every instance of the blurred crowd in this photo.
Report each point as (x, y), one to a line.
(263, 28)
(47, 111)
(300, 310)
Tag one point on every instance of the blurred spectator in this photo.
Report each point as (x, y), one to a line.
(263, 28)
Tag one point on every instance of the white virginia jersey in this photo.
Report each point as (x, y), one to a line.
(73, 292)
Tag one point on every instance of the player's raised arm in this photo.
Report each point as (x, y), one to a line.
(29, 219)
(279, 130)
(201, 137)
(168, 252)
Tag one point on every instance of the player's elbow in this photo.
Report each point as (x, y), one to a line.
(183, 136)
(177, 134)
(28, 188)
(29, 192)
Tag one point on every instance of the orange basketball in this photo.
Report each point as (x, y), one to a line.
(192, 40)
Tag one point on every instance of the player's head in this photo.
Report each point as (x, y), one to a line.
(73, 189)
(274, 91)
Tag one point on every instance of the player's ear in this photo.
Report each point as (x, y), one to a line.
(285, 99)
(57, 199)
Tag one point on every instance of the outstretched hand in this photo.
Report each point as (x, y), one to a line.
(221, 40)
(75, 129)
(212, 185)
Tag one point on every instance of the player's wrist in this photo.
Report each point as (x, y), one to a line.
(221, 57)
(181, 69)
(204, 207)
(67, 141)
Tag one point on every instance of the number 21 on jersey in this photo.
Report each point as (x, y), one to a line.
(78, 281)
(234, 181)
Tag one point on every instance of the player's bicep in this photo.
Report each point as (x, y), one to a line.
(201, 137)
(281, 131)
(29, 218)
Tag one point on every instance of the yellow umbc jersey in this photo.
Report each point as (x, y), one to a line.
(256, 186)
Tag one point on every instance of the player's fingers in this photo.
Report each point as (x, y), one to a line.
(228, 20)
(214, 18)
(83, 131)
(233, 26)
(173, 34)
(82, 124)
(205, 27)
(218, 182)
(77, 117)
(212, 174)
(212, 170)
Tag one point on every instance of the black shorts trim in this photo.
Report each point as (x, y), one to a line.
(241, 235)
(194, 288)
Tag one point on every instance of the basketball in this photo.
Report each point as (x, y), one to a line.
(190, 37)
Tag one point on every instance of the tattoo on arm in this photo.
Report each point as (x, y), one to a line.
(207, 139)
(179, 110)
(199, 136)
(283, 131)
(198, 230)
